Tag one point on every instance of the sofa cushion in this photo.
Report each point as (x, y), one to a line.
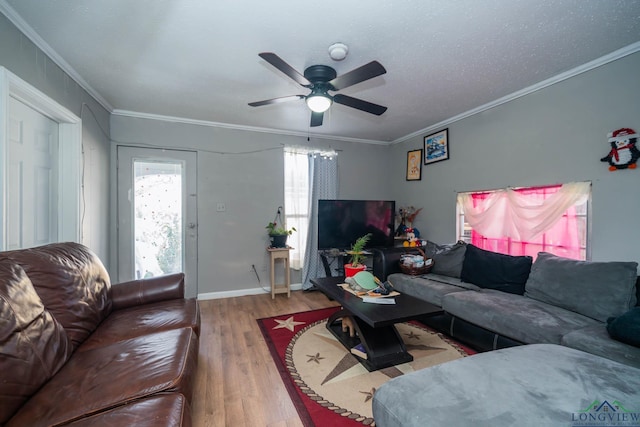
(168, 409)
(492, 270)
(454, 281)
(33, 345)
(96, 380)
(141, 320)
(529, 385)
(515, 316)
(626, 328)
(72, 283)
(447, 258)
(595, 340)
(595, 289)
(424, 288)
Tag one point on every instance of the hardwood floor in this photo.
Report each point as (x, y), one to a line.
(237, 383)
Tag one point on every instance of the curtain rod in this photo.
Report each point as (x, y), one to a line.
(516, 188)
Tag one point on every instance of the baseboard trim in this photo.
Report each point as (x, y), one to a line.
(242, 292)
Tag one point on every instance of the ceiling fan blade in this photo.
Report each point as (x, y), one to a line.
(369, 107)
(316, 119)
(366, 72)
(276, 100)
(287, 69)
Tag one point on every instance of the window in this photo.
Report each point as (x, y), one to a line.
(296, 203)
(525, 221)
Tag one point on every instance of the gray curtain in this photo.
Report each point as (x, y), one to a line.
(323, 183)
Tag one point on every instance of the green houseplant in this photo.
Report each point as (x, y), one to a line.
(278, 233)
(274, 230)
(357, 256)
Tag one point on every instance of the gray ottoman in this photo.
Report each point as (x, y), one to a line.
(531, 385)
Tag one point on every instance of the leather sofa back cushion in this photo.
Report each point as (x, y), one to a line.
(33, 345)
(594, 289)
(447, 259)
(492, 270)
(72, 283)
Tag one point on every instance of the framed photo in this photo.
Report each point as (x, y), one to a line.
(436, 147)
(414, 165)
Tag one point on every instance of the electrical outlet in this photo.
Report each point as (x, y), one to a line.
(220, 207)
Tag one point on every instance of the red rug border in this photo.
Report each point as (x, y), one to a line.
(305, 417)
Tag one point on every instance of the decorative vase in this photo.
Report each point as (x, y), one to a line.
(350, 271)
(279, 240)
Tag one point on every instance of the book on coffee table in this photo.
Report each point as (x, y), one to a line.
(359, 351)
(378, 300)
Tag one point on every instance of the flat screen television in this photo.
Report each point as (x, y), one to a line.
(341, 222)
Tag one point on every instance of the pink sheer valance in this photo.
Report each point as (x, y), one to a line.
(525, 221)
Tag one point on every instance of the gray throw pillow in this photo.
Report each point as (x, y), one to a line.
(447, 259)
(594, 289)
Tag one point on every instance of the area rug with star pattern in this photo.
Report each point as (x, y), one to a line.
(327, 384)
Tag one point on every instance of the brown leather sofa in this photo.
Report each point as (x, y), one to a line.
(78, 351)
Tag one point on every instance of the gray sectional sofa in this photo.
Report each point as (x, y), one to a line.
(533, 385)
(566, 310)
(558, 300)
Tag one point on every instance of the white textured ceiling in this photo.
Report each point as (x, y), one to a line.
(198, 59)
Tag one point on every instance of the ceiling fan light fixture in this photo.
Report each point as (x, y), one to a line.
(319, 103)
(321, 79)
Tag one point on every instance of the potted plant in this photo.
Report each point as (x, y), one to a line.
(357, 255)
(278, 235)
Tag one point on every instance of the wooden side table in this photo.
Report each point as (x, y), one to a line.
(280, 288)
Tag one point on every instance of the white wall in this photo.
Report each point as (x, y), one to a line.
(20, 56)
(555, 135)
(251, 187)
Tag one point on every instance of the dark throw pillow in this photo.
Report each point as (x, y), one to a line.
(492, 270)
(626, 328)
(447, 259)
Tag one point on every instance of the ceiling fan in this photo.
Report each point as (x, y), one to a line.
(321, 79)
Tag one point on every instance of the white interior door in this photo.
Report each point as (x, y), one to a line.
(157, 218)
(32, 178)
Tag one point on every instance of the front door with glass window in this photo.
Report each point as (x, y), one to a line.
(157, 224)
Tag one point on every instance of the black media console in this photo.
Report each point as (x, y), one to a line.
(384, 261)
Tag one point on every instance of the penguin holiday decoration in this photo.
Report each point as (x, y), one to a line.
(624, 154)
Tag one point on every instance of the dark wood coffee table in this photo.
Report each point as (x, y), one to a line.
(374, 323)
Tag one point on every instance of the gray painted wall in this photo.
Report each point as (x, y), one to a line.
(20, 56)
(245, 171)
(555, 135)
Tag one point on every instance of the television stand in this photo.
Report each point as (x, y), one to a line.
(383, 262)
(328, 257)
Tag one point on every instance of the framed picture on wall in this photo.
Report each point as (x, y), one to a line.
(414, 165)
(436, 147)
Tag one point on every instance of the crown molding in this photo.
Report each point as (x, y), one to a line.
(172, 119)
(615, 55)
(32, 35)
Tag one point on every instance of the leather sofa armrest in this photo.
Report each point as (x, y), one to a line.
(145, 291)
